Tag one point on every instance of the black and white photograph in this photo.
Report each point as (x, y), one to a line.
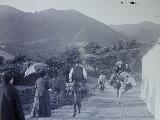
(79, 59)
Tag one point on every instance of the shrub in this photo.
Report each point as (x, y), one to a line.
(57, 98)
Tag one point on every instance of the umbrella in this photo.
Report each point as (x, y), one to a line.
(35, 68)
(128, 78)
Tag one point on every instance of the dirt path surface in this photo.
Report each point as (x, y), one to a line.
(104, 106)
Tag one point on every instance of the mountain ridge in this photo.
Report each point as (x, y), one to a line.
(48, 32)
(145, 31)
(56, 29)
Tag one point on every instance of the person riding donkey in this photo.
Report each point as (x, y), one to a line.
(77, 76)
(115, 79)
(121, 80)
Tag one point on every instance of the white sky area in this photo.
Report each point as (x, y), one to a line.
(106, 11)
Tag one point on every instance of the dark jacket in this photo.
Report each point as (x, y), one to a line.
(10, 106)
(42, 86)
(119, 69)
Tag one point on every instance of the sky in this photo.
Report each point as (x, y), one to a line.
(107, 11)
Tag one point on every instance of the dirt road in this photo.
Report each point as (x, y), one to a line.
(104, 106)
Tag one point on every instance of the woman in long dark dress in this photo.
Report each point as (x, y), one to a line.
(42, 105)
(10, 105)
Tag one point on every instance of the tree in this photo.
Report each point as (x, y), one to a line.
(107, 49)
(120, 45)
(91, 47)
(51, 61)
(1, 60)
(70, 55)
(54, 62)
(104, 50)
(133, 44)
(19, 59)
(114, 47)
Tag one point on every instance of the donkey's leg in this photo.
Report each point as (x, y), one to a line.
(119, 96)
(117, 92)
(101, 87)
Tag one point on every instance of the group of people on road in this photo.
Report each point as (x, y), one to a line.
(10, 105)
(121, 80)
(41, 105)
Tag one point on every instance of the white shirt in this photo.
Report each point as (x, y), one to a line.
(72, 71)
(102, 78)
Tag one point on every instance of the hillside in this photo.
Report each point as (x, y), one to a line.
(6, 55)
(147, 32)
(47, 33)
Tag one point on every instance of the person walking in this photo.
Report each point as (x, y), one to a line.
(77, 76)
(102, 81)
(41, 106)
(115, 79)
(10, 105)
(127, 68)
(119, 68)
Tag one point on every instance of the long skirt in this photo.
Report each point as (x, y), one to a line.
(41, 106)
(34, 111)
(44, 106)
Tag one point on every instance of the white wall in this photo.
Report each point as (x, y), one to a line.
(150, 88)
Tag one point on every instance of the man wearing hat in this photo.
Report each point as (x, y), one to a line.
(77, 76)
